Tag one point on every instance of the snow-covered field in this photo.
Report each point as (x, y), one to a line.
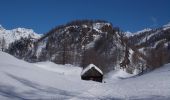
(48, 81)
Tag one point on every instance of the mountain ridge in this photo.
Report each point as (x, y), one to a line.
(83, 42)
(16, 34)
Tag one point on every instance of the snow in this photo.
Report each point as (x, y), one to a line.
(72, 26)
(136, 71)
(15, 34)
(91, 44)
(167, 26)
(89, 67)
(61, 69)
(130, 54)
(1, 28)
(117, 75)
(41, 46)
(144, 30)
(149, 36)
(85, 26)
(46, 80)
(128, 33)
(22, 80)
(158, 42)
(98, 26)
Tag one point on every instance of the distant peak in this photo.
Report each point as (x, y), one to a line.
(16, 34)
(23, 30)
(144, 30)
(167, 25)
(128, 33)
(2, 28)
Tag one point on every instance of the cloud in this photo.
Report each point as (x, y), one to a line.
(154, 21)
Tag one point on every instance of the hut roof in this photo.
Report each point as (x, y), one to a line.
(89, 67)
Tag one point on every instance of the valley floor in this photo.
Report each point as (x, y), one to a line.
(20, 80)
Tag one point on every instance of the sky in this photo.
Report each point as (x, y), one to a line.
(43, 15)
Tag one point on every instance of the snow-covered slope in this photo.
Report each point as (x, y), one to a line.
(167, 26)
(15, 34)
(61, 69)
(128, 33)
(150, 35)
(21, 80)
(144, 30)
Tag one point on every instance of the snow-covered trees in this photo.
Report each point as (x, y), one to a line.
(157, 56)
(80, 43)
(150, 48)
(126, 60)
(21, 48)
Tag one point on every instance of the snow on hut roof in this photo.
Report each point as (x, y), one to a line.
(89, 67)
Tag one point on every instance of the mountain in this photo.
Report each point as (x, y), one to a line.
(130, 63)
(74, 43)
(10, 36)
(83, 42)
(167, 26)
(128, 33)
(151, 46)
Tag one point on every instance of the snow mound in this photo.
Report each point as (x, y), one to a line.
(117, 75)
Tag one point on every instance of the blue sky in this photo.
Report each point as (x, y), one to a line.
(42, 15)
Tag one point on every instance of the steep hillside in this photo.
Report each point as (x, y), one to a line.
(151, 48)
(80, 43)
